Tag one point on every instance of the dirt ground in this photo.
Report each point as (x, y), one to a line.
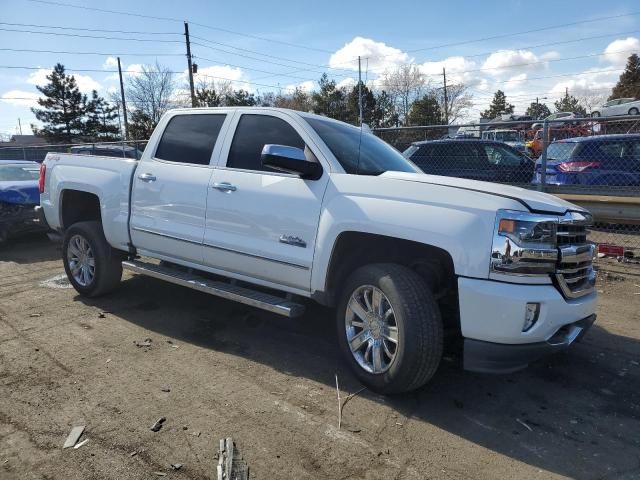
(269, 382)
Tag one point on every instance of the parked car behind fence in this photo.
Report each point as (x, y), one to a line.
(486, 160)
(605, 160)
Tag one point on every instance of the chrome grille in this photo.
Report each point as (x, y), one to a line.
(571, 234)
(575, 275)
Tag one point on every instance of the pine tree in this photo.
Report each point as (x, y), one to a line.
(353, 106)
(425, 111)
(241, 98)
(569, 103)
(385, 114)
(101, 116)
(538, 110)
(330, 100)
(629, 82)
(498, 106)
(63, 107)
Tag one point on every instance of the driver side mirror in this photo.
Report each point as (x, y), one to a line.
(283, 158)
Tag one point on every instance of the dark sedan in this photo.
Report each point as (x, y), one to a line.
(484, 160)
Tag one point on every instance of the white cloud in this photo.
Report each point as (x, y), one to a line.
(619, 50)
(347, 83)
(591, 82)
(509, 62)
(221, 74)
(517, 80)
(550, 55)
(20, 98)
(85, 83)
(307, 86)
(376, 56)
(110, 62)
(456, 67)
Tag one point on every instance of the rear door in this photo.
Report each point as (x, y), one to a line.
(262, 224)
(170, 187)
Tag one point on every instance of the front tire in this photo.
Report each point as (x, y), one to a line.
(389, 328)
(595, 114)
(92, 266)
(633, 111)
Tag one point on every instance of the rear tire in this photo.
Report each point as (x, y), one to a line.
(413, 359)
(92, 266)
(595, 114)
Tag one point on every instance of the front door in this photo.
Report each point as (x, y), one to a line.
(262, 224)
(170, 188)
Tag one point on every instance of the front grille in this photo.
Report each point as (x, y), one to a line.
(575, 275)
(571, 234)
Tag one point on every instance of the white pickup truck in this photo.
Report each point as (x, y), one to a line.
(270, 207)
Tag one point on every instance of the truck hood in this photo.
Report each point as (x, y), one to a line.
(535, 201)
(20, 192)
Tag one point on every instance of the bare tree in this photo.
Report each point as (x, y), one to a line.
(459, 100)
(296, 100)
(150, 94)
(592, 100)
(404, 85)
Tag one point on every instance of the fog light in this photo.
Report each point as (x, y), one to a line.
(531, 316)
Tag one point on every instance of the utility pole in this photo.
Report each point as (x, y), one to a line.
(186, 36)
(124, 105)
(20, 126)
(360, 91)
(446, 98)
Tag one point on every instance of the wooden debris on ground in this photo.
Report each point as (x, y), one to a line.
(231, 466)
(74, 436)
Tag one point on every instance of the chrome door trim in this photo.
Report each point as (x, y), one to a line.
(282, 262)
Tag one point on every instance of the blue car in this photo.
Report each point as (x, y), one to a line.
(19, 195)
(604, 160)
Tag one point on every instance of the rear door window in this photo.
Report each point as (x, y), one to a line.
(190, 138)
(253, 133)
(501, 156)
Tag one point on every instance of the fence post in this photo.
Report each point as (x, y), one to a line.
(543, 156)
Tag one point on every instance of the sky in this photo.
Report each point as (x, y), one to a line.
(527, 49)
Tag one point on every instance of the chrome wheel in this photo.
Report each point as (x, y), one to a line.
(371, 328)
(81, 260)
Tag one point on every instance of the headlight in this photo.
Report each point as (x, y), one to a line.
(524, 243)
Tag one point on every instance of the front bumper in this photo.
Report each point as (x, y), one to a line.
(488, 357)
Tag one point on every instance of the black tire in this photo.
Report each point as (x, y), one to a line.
(108, 261)
(417, 316)
(595, 114)
(633, 111)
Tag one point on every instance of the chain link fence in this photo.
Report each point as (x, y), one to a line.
(36, 153)
(594, 162)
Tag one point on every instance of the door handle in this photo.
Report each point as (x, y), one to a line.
(147, 177)
(224, 187)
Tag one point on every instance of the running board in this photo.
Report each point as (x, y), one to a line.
(253, 298)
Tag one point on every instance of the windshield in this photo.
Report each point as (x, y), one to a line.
(359, 153)
(507, 136)
(16, 173)
(561, 150)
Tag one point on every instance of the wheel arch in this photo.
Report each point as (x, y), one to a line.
(434, 264)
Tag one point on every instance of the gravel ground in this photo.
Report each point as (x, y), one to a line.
(269, 382)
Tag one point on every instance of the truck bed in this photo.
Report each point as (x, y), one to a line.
(108, 178)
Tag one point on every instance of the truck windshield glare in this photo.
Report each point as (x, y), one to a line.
(361, 154)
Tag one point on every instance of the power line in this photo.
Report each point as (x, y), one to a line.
(93, 53)
(535, 30)
(233, 32)
(261, 53)
(86, 29)
(252, 69)
(76, 35)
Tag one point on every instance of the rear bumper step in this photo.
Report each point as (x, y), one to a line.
(253, 298)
